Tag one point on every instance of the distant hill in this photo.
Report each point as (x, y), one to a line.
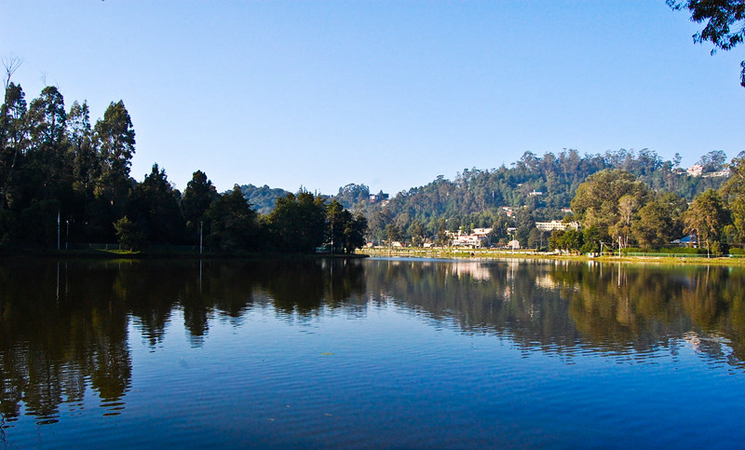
(262, 198)
(537, 187)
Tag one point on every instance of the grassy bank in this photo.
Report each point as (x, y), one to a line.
(454, 253)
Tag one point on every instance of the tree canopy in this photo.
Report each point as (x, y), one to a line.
(724, 23)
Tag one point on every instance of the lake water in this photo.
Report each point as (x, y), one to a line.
(378, 354)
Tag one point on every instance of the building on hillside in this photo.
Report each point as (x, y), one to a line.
(535, 193)
(475, 239)
(721, 173)
(696, 170)
(556, 225)
(375, 198)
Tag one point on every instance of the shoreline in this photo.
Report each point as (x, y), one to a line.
(489, 254)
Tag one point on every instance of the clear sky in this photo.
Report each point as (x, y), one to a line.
(390, 94)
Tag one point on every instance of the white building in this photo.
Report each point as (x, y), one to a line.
(475, 239)
(556, 225)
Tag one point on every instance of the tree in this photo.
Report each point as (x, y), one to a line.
(233, 223)
(115, 137)
(724, 23)
(48, 165)
(155, 208)
(660, 221)
(627, 208)
(86, 165)
(199, 195)
(298, 222)
(713, 161)
(13, 138)
(130, 237)
(392, 233)
(536, 238)
(733, 193)
(416, 231)
(346, 233)
(706, 217)
(597, 202)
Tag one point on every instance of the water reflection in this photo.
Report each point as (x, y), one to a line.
(64, 326)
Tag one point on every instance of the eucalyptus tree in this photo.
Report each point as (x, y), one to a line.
(115, 137)
(13, 138)
(86, 163)
(706, 217)
(49, 163)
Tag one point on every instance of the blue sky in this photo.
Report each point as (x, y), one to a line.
(319, 94)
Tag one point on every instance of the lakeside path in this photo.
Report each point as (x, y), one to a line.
(482, 254)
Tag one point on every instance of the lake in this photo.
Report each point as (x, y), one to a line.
(370, 353)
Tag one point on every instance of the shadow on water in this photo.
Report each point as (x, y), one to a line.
(64, 326)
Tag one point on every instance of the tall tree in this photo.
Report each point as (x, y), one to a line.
(706, 217)
(115, 137)
(734, 194)
(13, 138)
(346, 233)
(86, 164)
(725, 23)
(48, 163)
(199, 195)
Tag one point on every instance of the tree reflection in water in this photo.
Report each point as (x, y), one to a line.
(64, 326)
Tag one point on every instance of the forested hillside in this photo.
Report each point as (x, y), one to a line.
(535, 188)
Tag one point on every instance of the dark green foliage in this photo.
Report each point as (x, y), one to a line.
(154, 208)
(233, 224)
(346, 233)
(55, 163)
(199, 195)
(568, 240)
(298, 222)
(129, 234)
(38, 224)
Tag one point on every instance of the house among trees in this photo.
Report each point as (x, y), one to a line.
(475, 239)
(696, 170)
(556, 225)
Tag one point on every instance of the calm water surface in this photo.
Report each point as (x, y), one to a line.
(398, 354)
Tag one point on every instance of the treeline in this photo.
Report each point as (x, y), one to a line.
(532, 189)
(62, 175)
(617, 209)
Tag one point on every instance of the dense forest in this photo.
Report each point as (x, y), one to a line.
(66, 180)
